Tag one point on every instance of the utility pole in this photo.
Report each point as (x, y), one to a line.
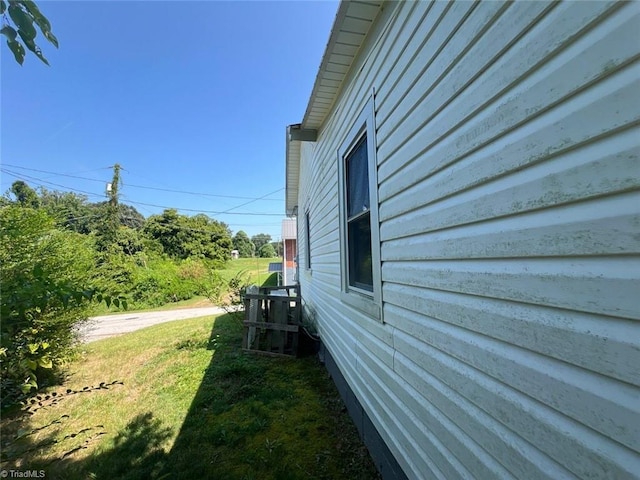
(109, 229)
(112, 188)
(112, 192)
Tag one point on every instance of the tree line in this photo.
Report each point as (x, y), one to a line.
(63, 257)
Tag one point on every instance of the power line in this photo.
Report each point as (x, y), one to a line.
(254, 200)
(54, 173)
(213, 212)
(22, 175)
(207, 194)
(146, 187)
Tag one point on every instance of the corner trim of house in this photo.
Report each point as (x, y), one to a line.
(384, 460)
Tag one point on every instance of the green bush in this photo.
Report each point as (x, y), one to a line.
(164, 281)
(114, 272)
(44, 275)
(267, 251)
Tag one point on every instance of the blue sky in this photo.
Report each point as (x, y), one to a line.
(188, 96)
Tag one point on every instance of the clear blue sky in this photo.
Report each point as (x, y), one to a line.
(189, 96)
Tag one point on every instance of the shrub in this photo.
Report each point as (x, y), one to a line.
(43, 272)
(164, 281)
(267, 251)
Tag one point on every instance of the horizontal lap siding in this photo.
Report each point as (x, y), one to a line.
(509, 205)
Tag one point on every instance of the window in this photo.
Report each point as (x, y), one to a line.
(307, 241)
(360, 244)
(359, 271)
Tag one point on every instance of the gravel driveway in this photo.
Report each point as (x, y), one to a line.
(106, 326)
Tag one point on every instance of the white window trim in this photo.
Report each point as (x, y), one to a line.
(367, 302)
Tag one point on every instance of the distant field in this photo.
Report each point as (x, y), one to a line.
(257, 268)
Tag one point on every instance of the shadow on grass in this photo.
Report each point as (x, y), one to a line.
(251, 417)
(137, 452)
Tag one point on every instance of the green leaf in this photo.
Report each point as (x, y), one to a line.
(17, 49)
(45, 362)
(31, 45)
(28, 42)
(107, 300)
(51, 37)
(33, 347)
(31, 364)
(116, 302)
(41, 57)
(40, 20)
(26, 387)
(23, 20)
(31, 7)
(124, 304)
(44, 345)
(9, 32)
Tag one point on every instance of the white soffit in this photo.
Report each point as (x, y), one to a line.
(292, 174)
(350, 29)
(352, 24)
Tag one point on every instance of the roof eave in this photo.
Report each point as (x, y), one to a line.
(351, 27)
(292, 174)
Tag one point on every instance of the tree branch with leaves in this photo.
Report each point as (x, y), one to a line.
(19, 22)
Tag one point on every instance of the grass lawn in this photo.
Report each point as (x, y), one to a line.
(256, 268)
(191, 405)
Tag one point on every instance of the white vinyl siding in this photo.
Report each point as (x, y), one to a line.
(509, 216)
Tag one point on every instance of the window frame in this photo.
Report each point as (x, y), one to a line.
(368, 302)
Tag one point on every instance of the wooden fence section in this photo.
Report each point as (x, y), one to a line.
(272, 321)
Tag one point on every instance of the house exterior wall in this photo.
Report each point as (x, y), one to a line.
(509, 215)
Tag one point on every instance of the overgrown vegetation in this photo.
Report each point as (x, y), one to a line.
(42, 271)
(59, 253)
(192, 405)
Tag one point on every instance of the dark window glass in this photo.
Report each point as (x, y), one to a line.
(360, 272)
(360, 268)
(357, 180)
